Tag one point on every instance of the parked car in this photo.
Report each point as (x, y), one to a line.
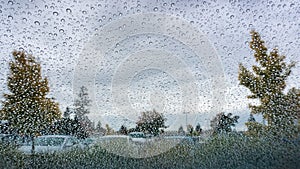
(88, 142)
(52, 143)
(183, 140)
(137, 137)
(12, 139)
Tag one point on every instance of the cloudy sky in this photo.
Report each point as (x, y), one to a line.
(138, 55)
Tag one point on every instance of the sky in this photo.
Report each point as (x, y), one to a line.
(173, 56)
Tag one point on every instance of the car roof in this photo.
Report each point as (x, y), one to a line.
(136, 133)
(114, 136)
(58, 136)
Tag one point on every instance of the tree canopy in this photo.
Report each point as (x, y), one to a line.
(267, 82)
(151, 122)
(26, 107)
(82, 108)
(222, 123)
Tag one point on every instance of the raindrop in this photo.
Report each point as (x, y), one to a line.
(37, 22)
(155, 9)
(68, 10)
(10, 17)
(55, 13)
(10, 2)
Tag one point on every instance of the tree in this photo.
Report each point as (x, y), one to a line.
(267, 82)
(150, 122)
(254, 128)
(251, 118)
(99, 126)
(67, 113)
(190, 129)
(68, 126)
(82, 105)
(198, 129)
(109, 130)
(123, 130)
(26, 107)
(222, 123)
(99, 129)
(181, 131)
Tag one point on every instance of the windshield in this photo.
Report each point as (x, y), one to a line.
(49, 141)
(191, 84)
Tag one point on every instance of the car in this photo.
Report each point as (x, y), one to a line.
(182, 140)
(13, 139)
(137, 137)
(88, 142)
(6, 138)
(51, 144)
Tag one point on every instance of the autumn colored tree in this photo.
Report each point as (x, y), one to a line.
(151, 122)
(109, 130)
(267, 82)
(26, 106)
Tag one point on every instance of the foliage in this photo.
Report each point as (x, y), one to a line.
(150, 122)
(67, 113)
(123, 130)
(181, 131)
(198, 129)
(267, 83)
(82, 104)
(132, 130)
(190, 130)
(99, 129)
(108, 130)
(67, 126)
(26, 107)
(222, 123)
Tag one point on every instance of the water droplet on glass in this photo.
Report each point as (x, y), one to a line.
(37, 22)
(68, 10)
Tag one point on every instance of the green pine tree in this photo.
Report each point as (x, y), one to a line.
(267, 82)
(26, 107)
(82, 105)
